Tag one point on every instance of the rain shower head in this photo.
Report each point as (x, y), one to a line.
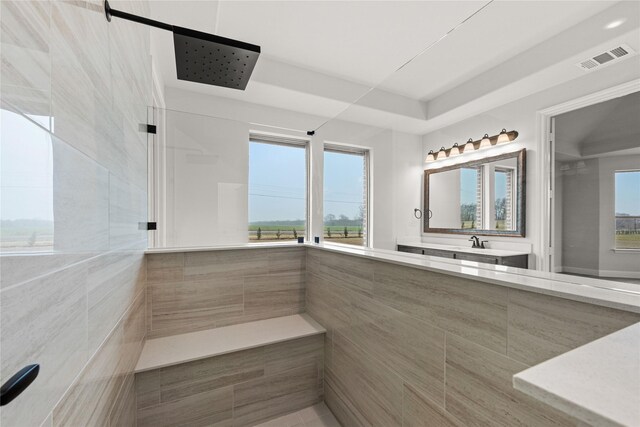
(202, 57)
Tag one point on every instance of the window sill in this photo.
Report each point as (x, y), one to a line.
(625, 251)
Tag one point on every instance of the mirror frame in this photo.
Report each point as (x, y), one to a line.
(521, 204)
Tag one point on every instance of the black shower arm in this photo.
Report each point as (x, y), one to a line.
(135, 18)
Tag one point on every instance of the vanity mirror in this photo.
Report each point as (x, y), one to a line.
(481, 197)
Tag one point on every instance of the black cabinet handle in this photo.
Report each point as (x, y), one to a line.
(18, 383)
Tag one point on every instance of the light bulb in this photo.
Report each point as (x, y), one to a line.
(486, 142)
(469, 147)
(503, 138)
(430, 157)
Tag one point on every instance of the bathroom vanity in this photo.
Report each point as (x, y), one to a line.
(489, 256)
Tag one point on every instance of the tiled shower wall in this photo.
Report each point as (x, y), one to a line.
(192, 291)
(74, 91)
(411, 347)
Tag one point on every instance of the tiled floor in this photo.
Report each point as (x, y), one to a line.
(317, 415)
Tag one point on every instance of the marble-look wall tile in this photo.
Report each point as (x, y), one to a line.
(201, 290)
(541, 327)
(480, 391)
(468, 308)
(429, 349)
(100, 385)
(80, 201)
(98, 391)
(265, 382)
(354, 273)
(211, 408)
(418, 411)
(114, 279)
(25, 59)
(413, 349)
(369, 386)
(43, 321)
(123, 413)
(66, 67)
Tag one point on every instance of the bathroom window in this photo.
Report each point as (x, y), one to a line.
(470, 198)
(345, 199)
(278, 182)
(503, 198)
(627, 209)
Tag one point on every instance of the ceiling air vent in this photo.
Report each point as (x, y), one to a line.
(605, 58)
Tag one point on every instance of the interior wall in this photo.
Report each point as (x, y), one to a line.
(611, 263)
(394, 168)
(521, 115)
(79, 87)
(580, 217)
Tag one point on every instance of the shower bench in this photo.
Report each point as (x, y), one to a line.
(248, 372)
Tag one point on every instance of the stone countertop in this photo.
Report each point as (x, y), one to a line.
(598, 383)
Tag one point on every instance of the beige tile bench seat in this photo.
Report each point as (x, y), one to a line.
(238, 375)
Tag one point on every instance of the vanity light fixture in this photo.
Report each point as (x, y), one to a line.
(487, 141)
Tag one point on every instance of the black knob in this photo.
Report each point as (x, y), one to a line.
(18, 383)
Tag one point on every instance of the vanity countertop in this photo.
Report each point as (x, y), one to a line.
(598, 383)
(465, 249)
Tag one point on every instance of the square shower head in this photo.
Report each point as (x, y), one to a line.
(214, 60)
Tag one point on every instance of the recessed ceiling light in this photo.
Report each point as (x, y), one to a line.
(614, 24)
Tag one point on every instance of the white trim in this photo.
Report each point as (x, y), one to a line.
(625, 251)
(543, 124)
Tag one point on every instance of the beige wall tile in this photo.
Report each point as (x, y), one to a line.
(217, 264)
(267, 382)
(352, 272)
(480, 391)
(123, 411)
(541, 326)
(300, 352)
(147, 388)
(274, 292)
(202, 290)
(412, 349)
(418, 411)
(186, 379)
(202, 409)
(271, 396)
(471, 309)
(372, 388)
(114, 279)
(194, 305)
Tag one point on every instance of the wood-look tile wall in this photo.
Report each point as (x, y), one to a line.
(237, 389)
(193, 291)
(74, 89)
(407, 347)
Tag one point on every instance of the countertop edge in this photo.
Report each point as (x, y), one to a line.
(552, 381)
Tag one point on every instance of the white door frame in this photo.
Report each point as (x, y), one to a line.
(544, 169)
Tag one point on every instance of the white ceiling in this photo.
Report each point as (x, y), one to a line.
(320, 56)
